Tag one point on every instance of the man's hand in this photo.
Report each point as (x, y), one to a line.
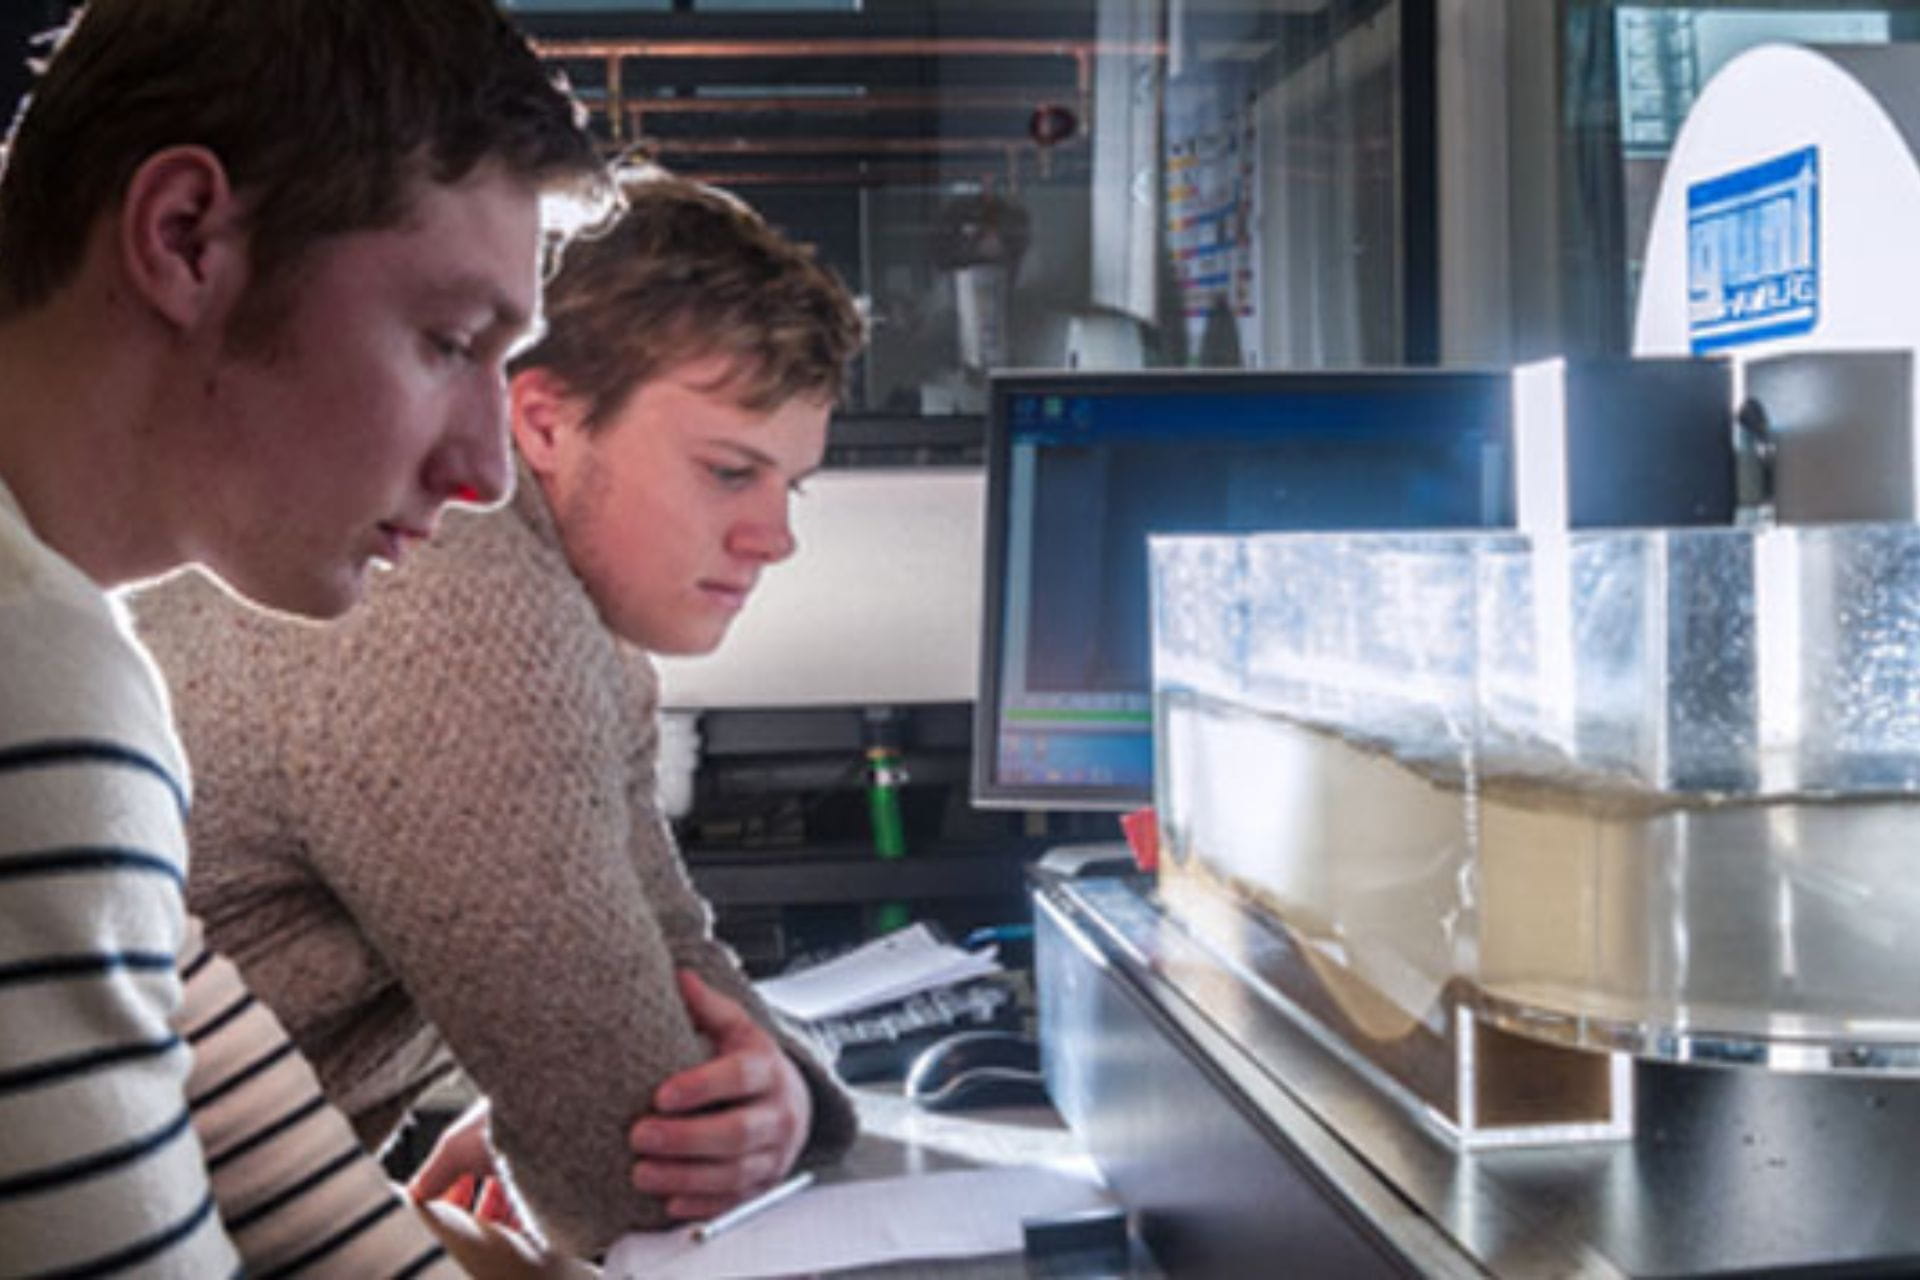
(460, 1170)
(488, 1252)
(728, 1128)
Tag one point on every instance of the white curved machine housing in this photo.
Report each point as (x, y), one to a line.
(1785, 238)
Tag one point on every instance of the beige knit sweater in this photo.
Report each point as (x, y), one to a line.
(432, 826)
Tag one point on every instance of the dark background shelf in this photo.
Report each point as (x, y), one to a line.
(779, 837)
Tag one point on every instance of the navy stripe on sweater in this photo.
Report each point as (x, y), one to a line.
(89, 964)
(137, 1252)
(52, 752)
(240, 1077)
(49, 1176)
(338, 1240)
(237, 1222)
(199, 962)
(240, 1005)
(57, 1070)
(421, 1263)
(88, 860)
(317, 1102)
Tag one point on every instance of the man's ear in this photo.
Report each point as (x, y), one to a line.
(547, 418)
(182, 246)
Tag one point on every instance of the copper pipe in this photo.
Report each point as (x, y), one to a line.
(623, 119)
(615, 116)
(832, 146)
(858, 176)
(847, 47)
(1011, 99)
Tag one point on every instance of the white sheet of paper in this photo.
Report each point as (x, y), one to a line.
(957, 1214)
(888, 968)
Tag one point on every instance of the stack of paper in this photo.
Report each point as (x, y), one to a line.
(889, 968)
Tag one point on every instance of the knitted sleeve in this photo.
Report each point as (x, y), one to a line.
(687, 921)
(461, 762)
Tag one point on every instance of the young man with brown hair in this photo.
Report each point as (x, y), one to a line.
(261, 265)
(434, 828)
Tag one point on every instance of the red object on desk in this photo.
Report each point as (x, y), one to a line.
(1143, 837)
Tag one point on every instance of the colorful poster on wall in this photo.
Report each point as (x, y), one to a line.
(1212, 189)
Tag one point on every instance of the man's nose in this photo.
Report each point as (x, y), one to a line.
(474, 464)
(767, 538)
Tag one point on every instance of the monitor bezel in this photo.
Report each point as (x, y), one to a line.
(988, 791)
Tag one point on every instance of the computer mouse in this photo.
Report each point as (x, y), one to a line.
(974, 1069)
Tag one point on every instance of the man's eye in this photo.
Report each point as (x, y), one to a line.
(732, 477)
(451, 346)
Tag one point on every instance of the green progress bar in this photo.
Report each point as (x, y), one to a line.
(1083, 715)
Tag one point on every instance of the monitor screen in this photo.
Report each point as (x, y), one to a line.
(1082, 467)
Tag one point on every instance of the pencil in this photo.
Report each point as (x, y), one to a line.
(751, 1208)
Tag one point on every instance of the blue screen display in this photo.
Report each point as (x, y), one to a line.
(1082, 468)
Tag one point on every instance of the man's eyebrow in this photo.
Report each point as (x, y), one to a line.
(511, 316)
(767, 460)
(746, 451)
(476, 289)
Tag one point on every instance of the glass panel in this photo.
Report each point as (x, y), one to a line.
(1081, 183)
(1644, 790)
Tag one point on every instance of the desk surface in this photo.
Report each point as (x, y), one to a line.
(898, 1138)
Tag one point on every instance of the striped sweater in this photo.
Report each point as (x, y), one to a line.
(154, 1119)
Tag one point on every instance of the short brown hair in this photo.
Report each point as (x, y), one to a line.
(684, 273)
(324, 113)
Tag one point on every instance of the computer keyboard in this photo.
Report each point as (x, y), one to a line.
(881, 1043)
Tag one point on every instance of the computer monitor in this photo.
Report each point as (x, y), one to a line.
(1081, 467)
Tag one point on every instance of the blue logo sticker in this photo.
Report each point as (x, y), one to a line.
(1753, 252)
